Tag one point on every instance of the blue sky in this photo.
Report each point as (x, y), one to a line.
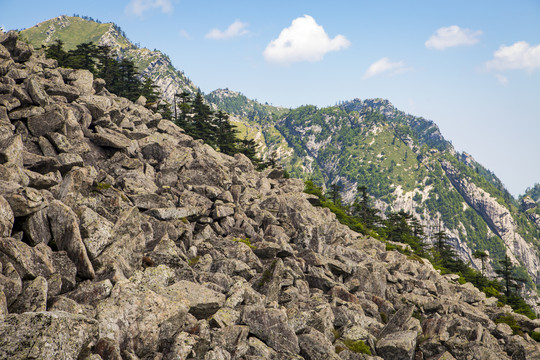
(473, 67)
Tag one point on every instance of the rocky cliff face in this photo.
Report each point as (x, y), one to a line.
(499, 219)
(123, 238)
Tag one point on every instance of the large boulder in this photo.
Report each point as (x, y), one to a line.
(37, 228)
(30, 262)
(65, 232)
(11, 150)
(138, 318)
(203, 302)
(25, 201)
(270, 325)
(10, 283)
(6, 218)
(95, 231)
(128, 243)
(46, 335)
(398, 345)
(37, 92)
(315, 346)
(33, 298)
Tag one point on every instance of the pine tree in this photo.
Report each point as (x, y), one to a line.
(56, 51)
(361, 208)
(201, 125)
(248, 147)
(148, 90)
(226, 137)
(333, 193)
(506, 272)
(182, 109)
(482, 255)
(84, 56)
(108, 66)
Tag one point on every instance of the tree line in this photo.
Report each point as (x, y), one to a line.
(403, 227)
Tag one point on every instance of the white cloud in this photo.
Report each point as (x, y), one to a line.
(183, 33)
(519, 55)
(138, 7)
(304, 40)
(384, 65)
(451, 36)
(503, 80)
(236, 29)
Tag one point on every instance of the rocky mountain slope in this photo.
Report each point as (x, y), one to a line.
(123, 238)
(403, 160)
(73, 30)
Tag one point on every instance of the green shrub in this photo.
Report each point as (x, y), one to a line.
(357, 346)
(102, 186)
(510, 321)
(193, 261)
(245, 241)
(535, 336)
(491, 291)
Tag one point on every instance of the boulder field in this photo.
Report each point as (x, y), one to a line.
(123, 238)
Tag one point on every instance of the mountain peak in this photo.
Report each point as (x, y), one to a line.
(74, 30)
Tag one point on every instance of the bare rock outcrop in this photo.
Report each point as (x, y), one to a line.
(499, 219)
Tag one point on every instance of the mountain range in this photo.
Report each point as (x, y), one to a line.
(403, 160)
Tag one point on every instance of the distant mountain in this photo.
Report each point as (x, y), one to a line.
(533, 192)
(403, 160)
(530, 204)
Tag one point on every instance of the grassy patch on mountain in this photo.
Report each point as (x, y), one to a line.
(71, 30)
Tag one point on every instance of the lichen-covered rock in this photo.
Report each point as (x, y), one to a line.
(51, 121)
(37, 228)
(30, 262)
(25, 201)
(6, 218)
(10, 283)
(95, 231)
(46, 335)
(91, 293)
(3, 306)
(136, 317)
(65, 232)
(270, 325)
(128, 243)
(33, 298)
(398, 345)
(203, 302)
(315, 346)
(37, 92)
(11, 149)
